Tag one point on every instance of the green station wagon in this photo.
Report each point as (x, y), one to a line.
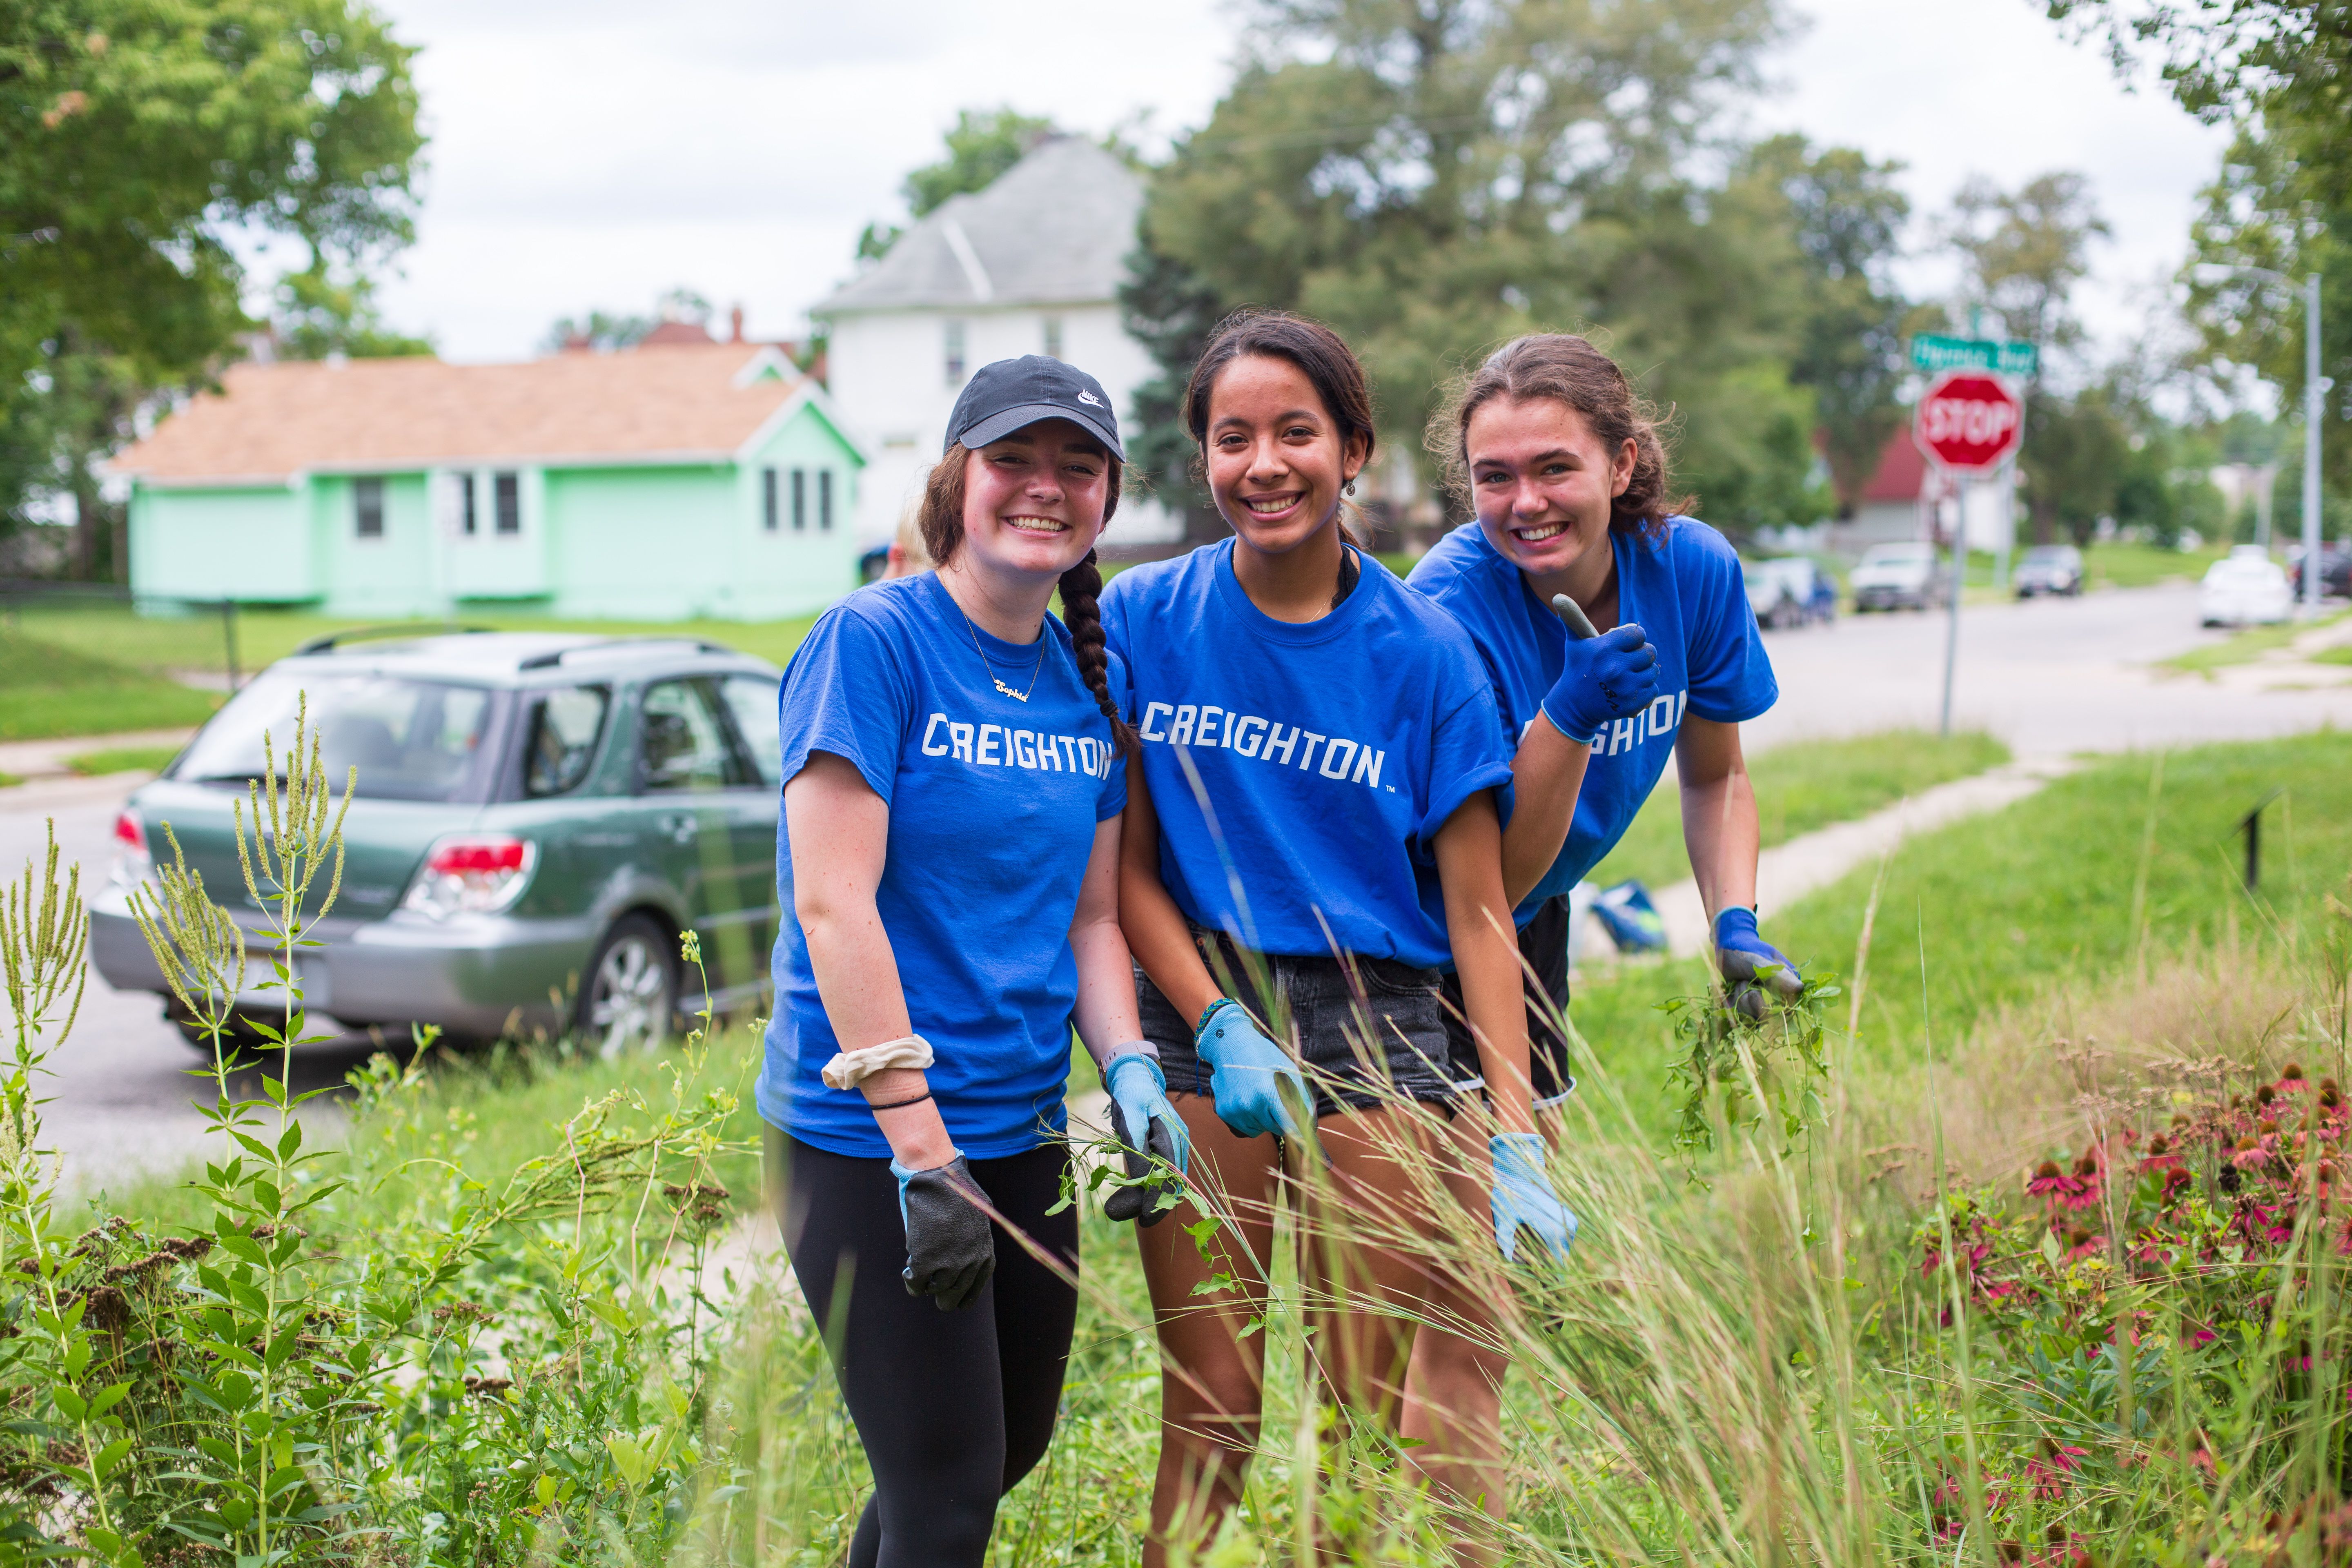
(538, 819)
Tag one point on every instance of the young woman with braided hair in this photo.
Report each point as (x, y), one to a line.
(949, 852)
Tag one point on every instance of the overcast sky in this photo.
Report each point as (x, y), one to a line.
(594, 153)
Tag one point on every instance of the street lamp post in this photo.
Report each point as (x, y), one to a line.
(2315, 388)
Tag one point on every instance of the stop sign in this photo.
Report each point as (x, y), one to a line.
(1969, 421)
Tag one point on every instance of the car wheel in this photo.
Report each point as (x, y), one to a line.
(630, 990)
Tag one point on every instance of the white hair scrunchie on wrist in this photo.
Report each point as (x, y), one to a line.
(849, 1069)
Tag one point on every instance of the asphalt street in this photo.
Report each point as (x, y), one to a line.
(2052, 677)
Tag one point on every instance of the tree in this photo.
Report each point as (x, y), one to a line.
(983, 145)
(134, 139)
(1846, 218)
(2280, 72)
(315, 315)
(608, 331)
(1432, 176)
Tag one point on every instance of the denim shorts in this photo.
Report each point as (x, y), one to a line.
(1366, 1029)
(1543, 955)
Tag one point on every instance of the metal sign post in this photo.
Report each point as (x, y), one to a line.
(1968, 423)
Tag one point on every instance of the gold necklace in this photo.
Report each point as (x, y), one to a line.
(1035, 670)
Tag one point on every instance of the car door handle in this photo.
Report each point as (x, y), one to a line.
(681, 825)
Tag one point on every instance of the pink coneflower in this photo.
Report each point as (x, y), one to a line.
(2199, 1336)
(2047, 1471)
(2249, 1155)
(2301, 1359)
(2081, 1244)
(2046, 1180)
(2291, 1079)
(2082, 1193)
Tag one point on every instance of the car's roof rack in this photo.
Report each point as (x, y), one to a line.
(555, 657)
(334, 640)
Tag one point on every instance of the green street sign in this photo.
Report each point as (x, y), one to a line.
(2002, 356)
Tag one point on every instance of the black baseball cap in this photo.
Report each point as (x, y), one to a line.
(1000, 398)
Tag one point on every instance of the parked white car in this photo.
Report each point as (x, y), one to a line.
(2245, 589)
(1909, 575)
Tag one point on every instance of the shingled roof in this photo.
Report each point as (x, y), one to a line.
(682, 403)
(1053, 229)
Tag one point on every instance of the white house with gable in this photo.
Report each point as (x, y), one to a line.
(1030, 266)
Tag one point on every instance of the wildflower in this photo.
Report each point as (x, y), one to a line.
(2047, 1471)
(2045, 1180)
(2264, 1095)
(2249, 1155)
(2082, 1189)
(2175, 1179)
(2331, 1098)
(2300, 1360)
(2291, 1079)
(2081, 1244)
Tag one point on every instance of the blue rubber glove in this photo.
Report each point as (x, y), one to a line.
(1250, 1074)
(1148, 1128)
(1753, 968)
(1612, 676)
(949, 1252)
(1524, 1196)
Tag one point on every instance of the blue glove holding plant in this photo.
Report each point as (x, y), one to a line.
(1525, 1197)
(1754, 970)
(1612, 676)
(1148, 1129)
(1250, 1074)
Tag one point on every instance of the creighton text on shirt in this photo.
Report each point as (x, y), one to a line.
(1001, 746)
(1248, 735)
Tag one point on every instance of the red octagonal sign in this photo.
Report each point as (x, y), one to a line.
(1969, 421)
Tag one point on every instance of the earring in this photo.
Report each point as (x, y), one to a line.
(1352, 488)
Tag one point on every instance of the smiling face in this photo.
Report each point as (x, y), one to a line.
(1033, 502)
(1542, 481)
(1276, 458)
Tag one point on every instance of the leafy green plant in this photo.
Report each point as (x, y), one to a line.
(1738, 1068)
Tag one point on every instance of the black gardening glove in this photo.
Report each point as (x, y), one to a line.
(950, 1253)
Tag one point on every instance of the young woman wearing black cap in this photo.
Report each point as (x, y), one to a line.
(949, 852)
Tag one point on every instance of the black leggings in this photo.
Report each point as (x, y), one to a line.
(953, 1408)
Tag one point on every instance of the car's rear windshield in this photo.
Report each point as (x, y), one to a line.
(2045, 554)
(1895, 555)
(411, 740)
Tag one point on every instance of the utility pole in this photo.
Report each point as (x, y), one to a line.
(2315, 404)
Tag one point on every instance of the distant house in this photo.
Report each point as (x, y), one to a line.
(1030, 266)
(1909, 498)
(660, 483)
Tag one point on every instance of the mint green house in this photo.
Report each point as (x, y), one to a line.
(665, 482)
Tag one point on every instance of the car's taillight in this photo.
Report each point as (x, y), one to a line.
(133, 863)
(472, 874)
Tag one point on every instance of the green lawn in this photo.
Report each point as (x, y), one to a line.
(2251, 643)
(2340, 654)
(2139, 565)
(1801, 786)
(122, 760)
(48, 688)
(2004, 908)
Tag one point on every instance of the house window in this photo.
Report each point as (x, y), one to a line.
(955, 353)
(799, 499)
(767, 499)
(824, 499)
(1053, 337)
(367, 508)
(469, 521)
(508, 490)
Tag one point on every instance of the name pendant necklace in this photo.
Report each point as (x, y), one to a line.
(1035, 670)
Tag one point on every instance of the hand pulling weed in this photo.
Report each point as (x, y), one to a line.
(1778, 1063)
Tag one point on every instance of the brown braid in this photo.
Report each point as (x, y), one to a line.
(1081, 588)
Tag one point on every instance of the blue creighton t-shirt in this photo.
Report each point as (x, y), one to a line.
(1330, 754)
(993, 803)
(1685, 592)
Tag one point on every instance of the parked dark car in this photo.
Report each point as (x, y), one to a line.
(2048, 569)
(536, 820)
(2335, 573)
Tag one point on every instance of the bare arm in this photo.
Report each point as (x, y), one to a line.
(840, 833)
(1486, 956)
(1155, 928)
(1546, 776)
(1106, 1010)
(1718, 814)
